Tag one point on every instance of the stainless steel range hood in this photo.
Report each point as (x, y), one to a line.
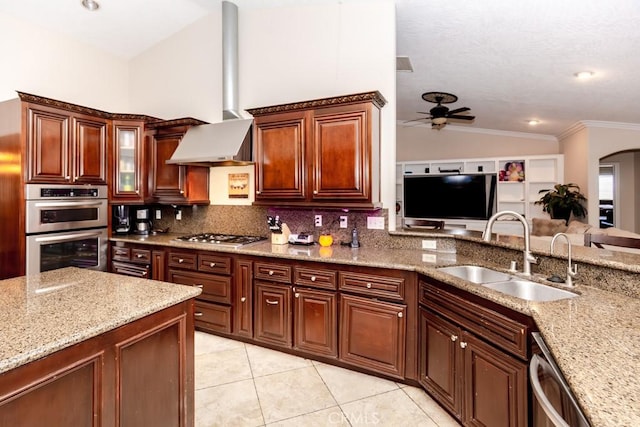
(227, 143)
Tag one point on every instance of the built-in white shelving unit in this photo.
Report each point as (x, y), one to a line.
(519, 181)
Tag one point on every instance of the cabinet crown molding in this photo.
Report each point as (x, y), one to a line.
(375, 97)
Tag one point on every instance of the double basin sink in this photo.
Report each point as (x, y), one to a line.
(507, 284)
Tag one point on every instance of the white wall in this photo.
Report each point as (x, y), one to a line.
(451, 142)
(45, 63)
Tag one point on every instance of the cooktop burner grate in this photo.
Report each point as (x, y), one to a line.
(221, 239)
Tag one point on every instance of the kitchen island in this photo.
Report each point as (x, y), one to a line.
(82, 347)
(594, 337)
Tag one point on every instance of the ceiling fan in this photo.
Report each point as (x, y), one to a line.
(440, 113)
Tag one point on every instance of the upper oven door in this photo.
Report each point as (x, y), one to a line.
(58, 215)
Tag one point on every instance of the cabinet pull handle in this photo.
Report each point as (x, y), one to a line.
(368, 285)
(212, 264)
(199, 286)
(243, 299)
(271, 302)
(180, 260)
(463, 344)
(139, 256)
(454, 338)
(313, 278)
(270, 272)
(258, 192)
(315, 191)
(400, 314)
(198, 314)
(144, 273)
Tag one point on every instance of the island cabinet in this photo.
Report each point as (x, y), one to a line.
(145, 261)
(111, 379)
(473, 356)
(323, 152)
(211, 272)
(66, 144)
(172, 183)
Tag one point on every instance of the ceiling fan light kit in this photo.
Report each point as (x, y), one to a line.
(90, 5)
(440, 114)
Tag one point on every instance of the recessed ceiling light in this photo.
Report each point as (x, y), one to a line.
(533, 122)
(90, 4)
(582, 75)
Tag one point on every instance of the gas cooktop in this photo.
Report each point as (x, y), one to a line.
(221, 239)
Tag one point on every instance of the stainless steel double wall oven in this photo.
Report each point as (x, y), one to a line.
(66, 226)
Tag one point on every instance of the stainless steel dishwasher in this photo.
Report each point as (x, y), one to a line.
(554, 403)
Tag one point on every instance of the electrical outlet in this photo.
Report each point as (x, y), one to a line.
(318, 220)
(343, 221)
(429, 244)
(375, 222)
(158, 214)
(179, 215)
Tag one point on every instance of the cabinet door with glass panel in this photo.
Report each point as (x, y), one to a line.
(128, 184)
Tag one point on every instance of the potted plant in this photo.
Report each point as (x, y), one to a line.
(562, 201)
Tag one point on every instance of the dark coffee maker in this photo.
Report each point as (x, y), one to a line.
(121, 219)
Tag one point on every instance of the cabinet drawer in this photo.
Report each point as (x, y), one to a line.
(211, 263)
(130, 269)
(372, 285)
(214, 288)
(273, 272)
(212, 317)
(507, 334)
(140, 255)
(186, 260)
(120, 253)
(316, 278)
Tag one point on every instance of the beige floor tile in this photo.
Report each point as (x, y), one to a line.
(265, 361)
(292, 393)
(347, 386)
(208, 343)
(393, 408)
(234, 404)
(330, 417)
(428, 405)
(221, 367)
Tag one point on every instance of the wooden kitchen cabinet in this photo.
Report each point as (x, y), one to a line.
(315, 324)
(243, 298)
(372, 334)
(171, 183)
(319, 153)
(481, 382)
(128, 166)
(272, 313)
(65, 147)
(137, 260)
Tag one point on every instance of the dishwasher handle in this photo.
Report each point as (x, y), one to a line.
(536, 363)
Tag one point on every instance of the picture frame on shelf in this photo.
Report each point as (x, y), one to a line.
(513, 171)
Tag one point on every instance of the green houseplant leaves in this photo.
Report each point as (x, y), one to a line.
(562, 201)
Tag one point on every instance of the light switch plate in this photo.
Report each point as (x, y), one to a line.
(429, 244)
(375, 222)
(343, 221)
(158, 214)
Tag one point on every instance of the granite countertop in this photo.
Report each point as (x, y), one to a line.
(47, 312)
(595, 337)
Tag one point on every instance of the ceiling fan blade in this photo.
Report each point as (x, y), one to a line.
(417, 120)
(422, 112)
(459, 110)
(456, 117)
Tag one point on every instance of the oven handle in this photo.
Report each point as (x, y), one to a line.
(68, 236)
(545, 404)
(68, 204)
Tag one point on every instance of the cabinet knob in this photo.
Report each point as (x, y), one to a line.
(368, 285)
(297, 294)
(68, 177)
(181, 191)
(198, 314)
(139, 256)
(144, 273)
(212, 264)
(243, 299)
(400, 314)
(313, 278)
(270, 272)
(199, 286)
(315, 191)
(257, 192)
(271, 302)
(454, 338)
(180, 260)
(463, 344)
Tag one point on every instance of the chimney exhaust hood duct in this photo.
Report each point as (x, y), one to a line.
(227, 143)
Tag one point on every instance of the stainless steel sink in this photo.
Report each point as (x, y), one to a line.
(475, 274)
(530, 291)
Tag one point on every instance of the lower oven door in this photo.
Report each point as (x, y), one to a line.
(80, 248)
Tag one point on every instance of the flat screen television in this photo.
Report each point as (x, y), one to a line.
(460, 196)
